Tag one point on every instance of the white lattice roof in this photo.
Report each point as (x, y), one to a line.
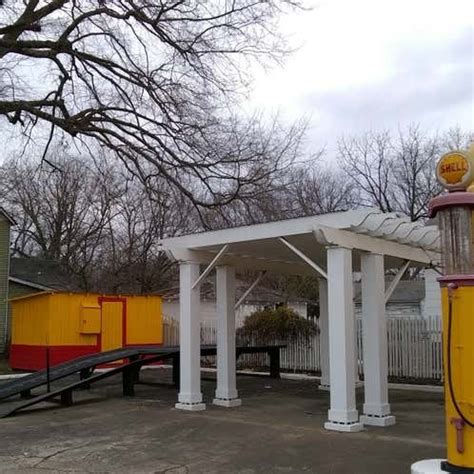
(261, 246)
(398, 228)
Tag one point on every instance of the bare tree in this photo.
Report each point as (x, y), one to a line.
(456, 139)
(130, 258)
(152, 81)
(367, 163)
(319, 190)
(307, 188)
(61, 215)
(397, 173)
(99, 221)
(414, 182)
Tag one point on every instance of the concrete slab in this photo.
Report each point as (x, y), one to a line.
(278, 429)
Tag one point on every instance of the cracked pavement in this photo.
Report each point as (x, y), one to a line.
(278, 429)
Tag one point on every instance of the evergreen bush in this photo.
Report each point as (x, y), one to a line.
(276, 325)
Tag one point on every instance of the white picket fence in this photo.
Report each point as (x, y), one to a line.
(414, 349)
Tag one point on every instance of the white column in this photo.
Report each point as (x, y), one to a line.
(190, 396)
(324, 334)
(226, 392)
(343, 415)
(358, 382)
(376, 407)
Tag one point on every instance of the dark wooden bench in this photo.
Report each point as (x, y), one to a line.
(272, 351)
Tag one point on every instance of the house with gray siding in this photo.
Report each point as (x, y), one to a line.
(5, 224)
(411, 298)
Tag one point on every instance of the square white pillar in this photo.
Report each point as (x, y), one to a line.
(358, 382)
(323, 334)
(343, 415)
(190, 396)
(376, 407)
(226, 392)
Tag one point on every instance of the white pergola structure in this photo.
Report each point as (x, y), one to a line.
(330, 246)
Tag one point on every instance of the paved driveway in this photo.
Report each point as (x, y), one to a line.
(278, 429)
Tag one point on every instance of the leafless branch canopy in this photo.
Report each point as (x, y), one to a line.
(100, 222)
(395, 172)
(153, 81)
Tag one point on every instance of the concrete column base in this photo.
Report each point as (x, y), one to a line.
(374, 420)
(324, 387)
(228, 403)
(190, 406)
(428, 466)
(353, 427)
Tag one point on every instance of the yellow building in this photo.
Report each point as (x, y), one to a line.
(62, 326)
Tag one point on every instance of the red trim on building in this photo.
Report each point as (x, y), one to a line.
(457, 198)
(113, 299)
(30, 357)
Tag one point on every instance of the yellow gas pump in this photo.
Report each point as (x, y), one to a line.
(455, 211)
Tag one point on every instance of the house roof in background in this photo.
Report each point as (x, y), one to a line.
(7, 216)
(42, 274)
(407, 291)
(30, 284)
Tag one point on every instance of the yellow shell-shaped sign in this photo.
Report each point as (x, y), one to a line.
(455, 170)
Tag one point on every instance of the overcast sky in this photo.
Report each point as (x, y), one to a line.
(372, 64)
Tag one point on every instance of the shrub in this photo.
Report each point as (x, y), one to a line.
(271, 325)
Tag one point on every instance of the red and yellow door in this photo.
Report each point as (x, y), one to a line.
(113, 324)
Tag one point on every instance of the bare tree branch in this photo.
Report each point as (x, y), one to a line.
(153, 82)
